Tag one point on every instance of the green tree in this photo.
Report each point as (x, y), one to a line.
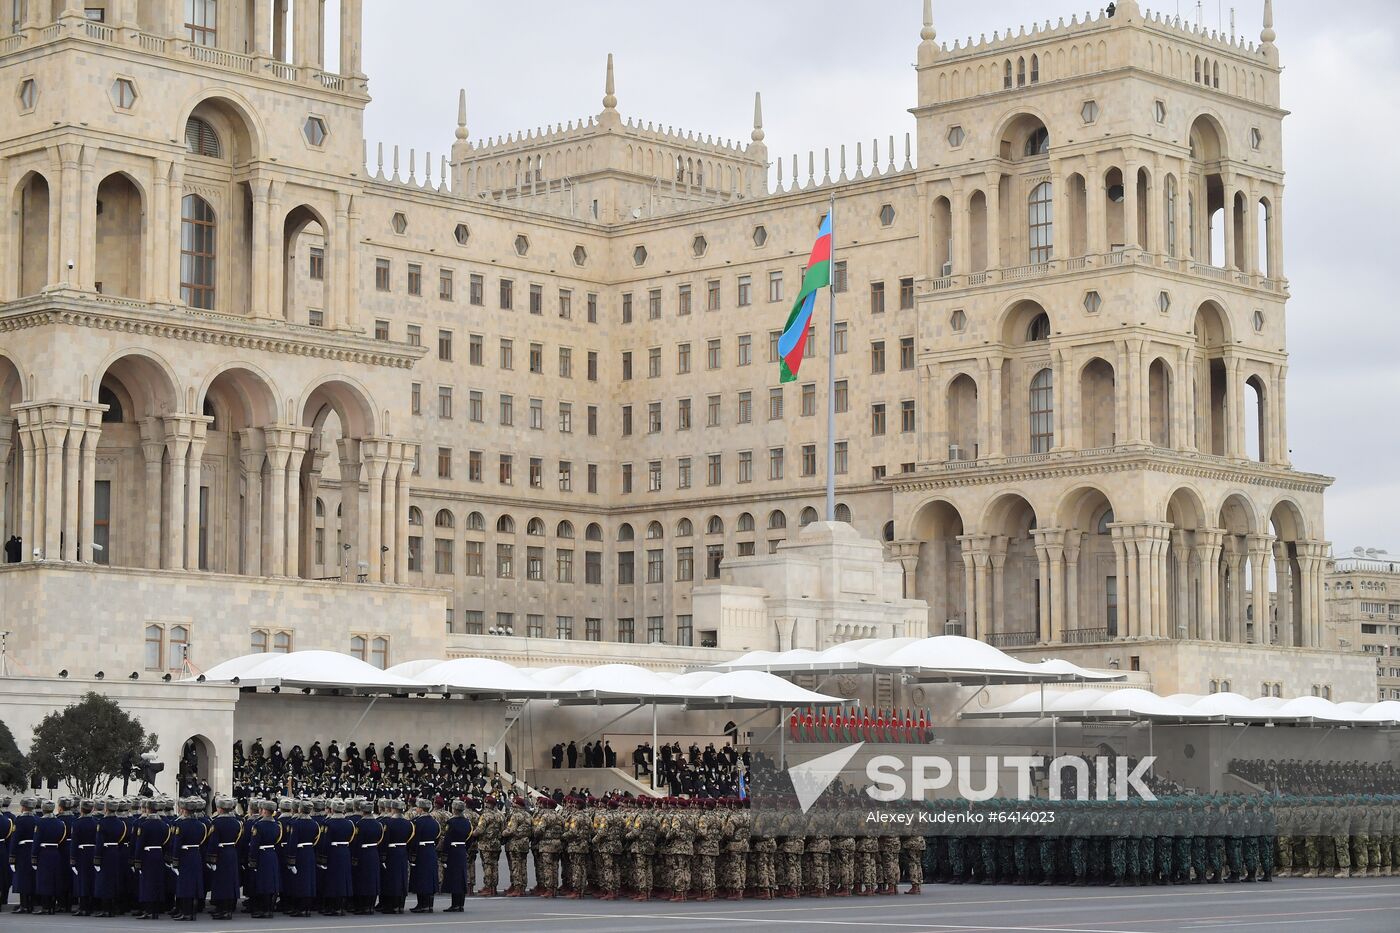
(85, 743)
(12, 763)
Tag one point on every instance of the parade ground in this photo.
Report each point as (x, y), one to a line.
(1355, 906)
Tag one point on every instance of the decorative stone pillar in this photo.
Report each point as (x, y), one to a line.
(276, 306)
(30, 444)
(962, 231)
(351, 25)
(907, 553)
(7, 431)
(405, 480)
(350, 314)
(1261, 549)
(55, 434)
(173, 232)
(87, 220)
(996, 557)
(1041, 537)
(70, 203)
(1120, 555)
(376, 462)
(993, 426)
(993, 193)
(177, 448)
(262, 26)
(92, 434)
(350, 468)
(262, 262)
(199, 427)
(252, 453)
(1179, 620)
(155, 241)
(1208, 544)
(297, 441)
(153, 450)
(72, 492)
(1234, 429)
(1096, 217)
(1073, 540)
(279, 450)
(1228, 219)
(1283, 594)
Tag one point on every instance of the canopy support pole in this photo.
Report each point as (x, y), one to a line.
(654, 758)
(1329, 731)
(1054, 738)
(978, 692)
(1151, 755)
(782, 737)
(502, 737)
(359, 722)
(599, 730)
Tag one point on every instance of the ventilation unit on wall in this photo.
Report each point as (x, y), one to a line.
(956, 452)
(953, 627)
(947, 269)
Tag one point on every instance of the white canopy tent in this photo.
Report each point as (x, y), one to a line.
(1097, 705)
(938, 659)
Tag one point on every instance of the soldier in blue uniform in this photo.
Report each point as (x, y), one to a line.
(305, 834)
(190, 835)
(50, 859)
(286, 855)
(456, 837)
(7, 829)
(338, 832)
(398, 835)
(226, 842)
(364, 858)
(264, 840)
(424, 878)
(22, 854)
(82, 853)
(152, 835)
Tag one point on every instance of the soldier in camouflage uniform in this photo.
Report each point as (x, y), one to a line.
(516, 838)
(640, 839)
(735, 848)
(1337, 820)
(1283, 819)
(487, 834)
(843, 847)
(763, 851)
(912, 848)
(578, 829)
(609, 833)
(817, 852)
(547, 834)
(709, 830)
(867, 852)
(792, 840)
(890, 847)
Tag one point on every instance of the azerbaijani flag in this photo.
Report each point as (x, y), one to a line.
(793, 342)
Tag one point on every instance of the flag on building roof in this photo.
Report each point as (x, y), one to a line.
(792, 345)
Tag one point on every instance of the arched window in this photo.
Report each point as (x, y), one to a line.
(745, 522)
(684, 528)
(1020, 72)
(808, 515)
(320, 508)
(594, 532)
(1042, 412)
(415, 515)
(200, 139)
(1035, 69)
(843, 512)
(655, 532)
(776, 520)
(714, 525)
(444, 519)
(535, 526)
(476, 522)
(1039, 328)
(1006, 75)
(1040, 218)
(505, 525)
(177, 645)
(1038, 143)
(357, 646)
(889, 531)
(259, 642)
(198, 251)
(624, 532)
(565, 530)
(114, 413)
(1105, 520)
(282, 643)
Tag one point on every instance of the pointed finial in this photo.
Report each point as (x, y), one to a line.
(928, 34)
(757, 134)
(610, 88)
(462, 114)
(1267, 36)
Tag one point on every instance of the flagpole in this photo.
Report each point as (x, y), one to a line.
(831, 374)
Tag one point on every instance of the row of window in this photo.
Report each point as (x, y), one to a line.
(714, 352)
(685, 528)
(474, 555)
(474, 622)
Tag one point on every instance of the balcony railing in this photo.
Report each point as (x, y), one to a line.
(1085, 636)
(1114, 258)
(1012, 639)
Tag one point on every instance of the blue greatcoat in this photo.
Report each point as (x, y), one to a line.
(364, 856)
(50, 857)
(336, 838)
(457, 836)
(263, 841)
(82, 853)
(7, 830)
(152, 834)
(190, 834)
(305, 833)
(225, 838)
(424, 877)
(398, 834)
(113, 858)
(22, 853)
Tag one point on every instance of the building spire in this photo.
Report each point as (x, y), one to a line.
(462, 114)
(610, 88)
(928, 33)
(757, 134)
(1267, 35)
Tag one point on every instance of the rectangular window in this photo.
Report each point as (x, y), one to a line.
(566, 303)
(809, 459)
(382, 269)
(906, 353)
(566, 475)
(537, 299)
(656, 566)
(682, 359)
(476, 289)
(507, 295)
(566, 363)
(712, 295)
(654, 304)
(685, 630)
(685, 563)
(714, 556)
(507, 410)
(626, 365)
(381, 330)
(656, 629)
(683, 414)
(683, 473)
(564, 565)
(625, 569)
(566, 418)
(505, 561)
(775, 463)
(877, 356)
(444, 464)
(775, 404)
(654, 476)
(877, 419)
(475, 350)
(838, 277)
(536, 473)
(626, 420)
(593, 567)
(414, 334)
(534, 563)
(473, 621)
(474, 406)
(877, 297)
(507, 353)
(505, 621)
(714, 469)
(626, 631)
(906, 416)
(592, 420)
(906, 293)
(537, 358)
(415, 398)
(317, 267)
(714, 354)
(592, 308)
(745, 293)
(564, 628)
(201, 21)
(593, 629)
(840, 338)
(654, 363)
(745, 349)
(102, 520)
(534, 625)
(1110, 589)
(592, 365)
(745, 413)
(415, 279)
(626, 478)
(316, 318)
(444, 347)
(627, 307)
(442, 555)
(683, 300)
(505, 470)
(444, 401)
(775, 286)
(712, 411)
(841, 458)
(809, 399)
(653, 417)
(745, 466)
(842, 400)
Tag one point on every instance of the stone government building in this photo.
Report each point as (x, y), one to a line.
(259, 397)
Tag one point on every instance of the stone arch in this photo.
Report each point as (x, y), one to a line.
(121, 210)
(1287, 520)
(347, 398)
(1237, 514)
(242, 401)
(1186, 509)
(199, 761)
(149, 380)
(1161, 401)
(250, 395)
(12, 385)
(1080, 508)
(1010, 513)
(1017, 320)
(32, 229)
(962, 416)
(245, 139)
(1015, 130)
(1098, 404)
(305, 224)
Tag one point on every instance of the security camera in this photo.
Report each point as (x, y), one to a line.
(166, 678)
(70, 265)
(98, 547)
(134, 675)
(100, 674)
(63, 673)
(38, 553)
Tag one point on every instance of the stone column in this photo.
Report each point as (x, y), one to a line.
(969, 587)
(92, 434)
(276, 306)
(1283, 593)
(175, 217)
(262, 261)
(1285, 458)
(8, 523)
(350, 314)
(907, 553)
(1122, 395)
(1133, 377)
(251, 456)
(962, 231)
(55, 439)
(981, 563)
(405, 482)
(1234, 431)
(1151, 210)
(993, 190)
(996, 558)
(351, 23)
(1042, 559)
(155, 239)
(153, 449)
(1180, 618)
(341, 262)
(375, 465)
(87, 219)
(994, 424)
(1120, 571)
(1208, 558)
(1261, 548)
(72, 462)
(279, 449)
(195, 475)
(350, 467)
(178, 435)
(262, 27)
(1096, 217)
(9, 287)
(314, 461)
(1239, 555)
(29, 441)
(298, 439)
(1275, 270)
(303, 34)
(1061, 231)
(1130, 203)
(1250, 225)
(70, 198)
(1056, 552)
(1143, 579)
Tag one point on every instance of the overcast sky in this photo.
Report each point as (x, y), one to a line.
(837, 72)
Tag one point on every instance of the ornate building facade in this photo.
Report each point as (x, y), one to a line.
(259, 396)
